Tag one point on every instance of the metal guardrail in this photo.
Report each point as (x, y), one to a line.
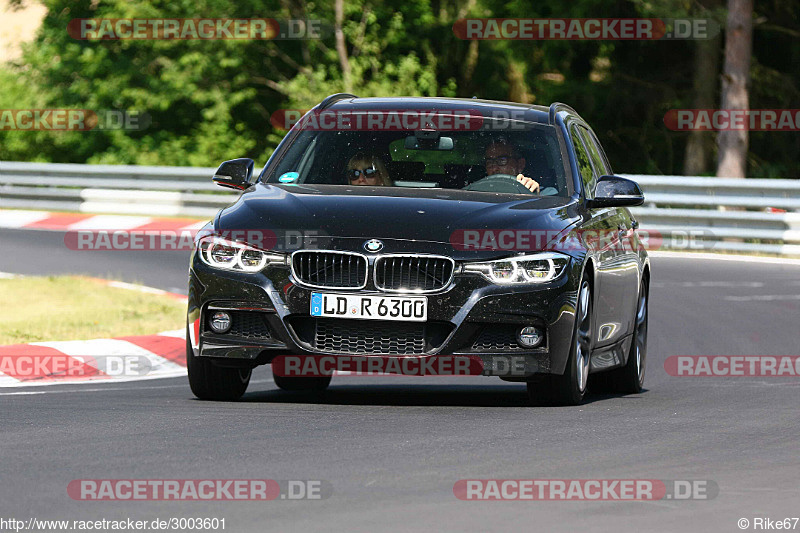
(722, 214)
(120, 189)
(691, 213)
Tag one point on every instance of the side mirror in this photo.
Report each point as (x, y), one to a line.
(235, 174)
(615, 191)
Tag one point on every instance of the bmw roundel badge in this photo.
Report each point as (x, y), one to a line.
(373, 245)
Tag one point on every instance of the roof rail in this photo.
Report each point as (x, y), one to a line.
(330, 100)
(555, 107)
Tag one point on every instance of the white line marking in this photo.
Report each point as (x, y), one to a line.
(133, 287)
(110, 389)
(143, 288)
(115, 389)
(763, 298)
(725, 284)
(726, 257)
(115, 380)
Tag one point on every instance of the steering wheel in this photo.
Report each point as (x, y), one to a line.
(505, 183)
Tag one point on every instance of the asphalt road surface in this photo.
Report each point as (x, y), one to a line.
(392, 448)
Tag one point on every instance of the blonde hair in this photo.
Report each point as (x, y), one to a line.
(364, 159)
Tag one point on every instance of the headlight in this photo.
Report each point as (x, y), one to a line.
(233, 255)
(537, 268)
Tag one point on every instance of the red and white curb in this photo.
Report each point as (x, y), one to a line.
(63, 362)
(43, 220)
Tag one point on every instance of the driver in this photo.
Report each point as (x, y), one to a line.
(503, 158)
(368, 169)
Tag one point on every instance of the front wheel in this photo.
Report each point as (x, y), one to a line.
(570, 388)
(211, 382)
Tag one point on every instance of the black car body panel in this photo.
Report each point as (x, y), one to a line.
(402, 214)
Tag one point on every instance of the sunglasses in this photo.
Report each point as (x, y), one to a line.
(356, 173)
(499, 161)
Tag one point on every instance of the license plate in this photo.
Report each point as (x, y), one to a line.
(406, 308)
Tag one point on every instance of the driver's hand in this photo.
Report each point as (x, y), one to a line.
(531, 184)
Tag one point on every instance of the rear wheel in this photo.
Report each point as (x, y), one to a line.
(570, 388)
(630, 378)
(211, 382)
(302, 383)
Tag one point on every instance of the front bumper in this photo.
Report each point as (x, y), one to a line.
(471, 317)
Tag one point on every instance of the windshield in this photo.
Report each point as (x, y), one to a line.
(501, 157)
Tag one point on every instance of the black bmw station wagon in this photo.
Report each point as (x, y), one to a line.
(425, 228)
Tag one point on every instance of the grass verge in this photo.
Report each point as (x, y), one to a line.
(62, 308)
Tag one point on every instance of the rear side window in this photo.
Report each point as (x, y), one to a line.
(609, 170)
(584, 166)
(599, 162)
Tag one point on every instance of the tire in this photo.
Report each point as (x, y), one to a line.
(570, 387)
(630, 378)
(211, 382)
(317, 384)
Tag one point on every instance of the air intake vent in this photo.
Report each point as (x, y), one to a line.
(368, 337)
(413, 273)
(333, 270)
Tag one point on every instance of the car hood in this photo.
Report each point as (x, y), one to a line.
(391, 213)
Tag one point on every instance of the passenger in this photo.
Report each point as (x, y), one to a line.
(503, 158)
(368, 169)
